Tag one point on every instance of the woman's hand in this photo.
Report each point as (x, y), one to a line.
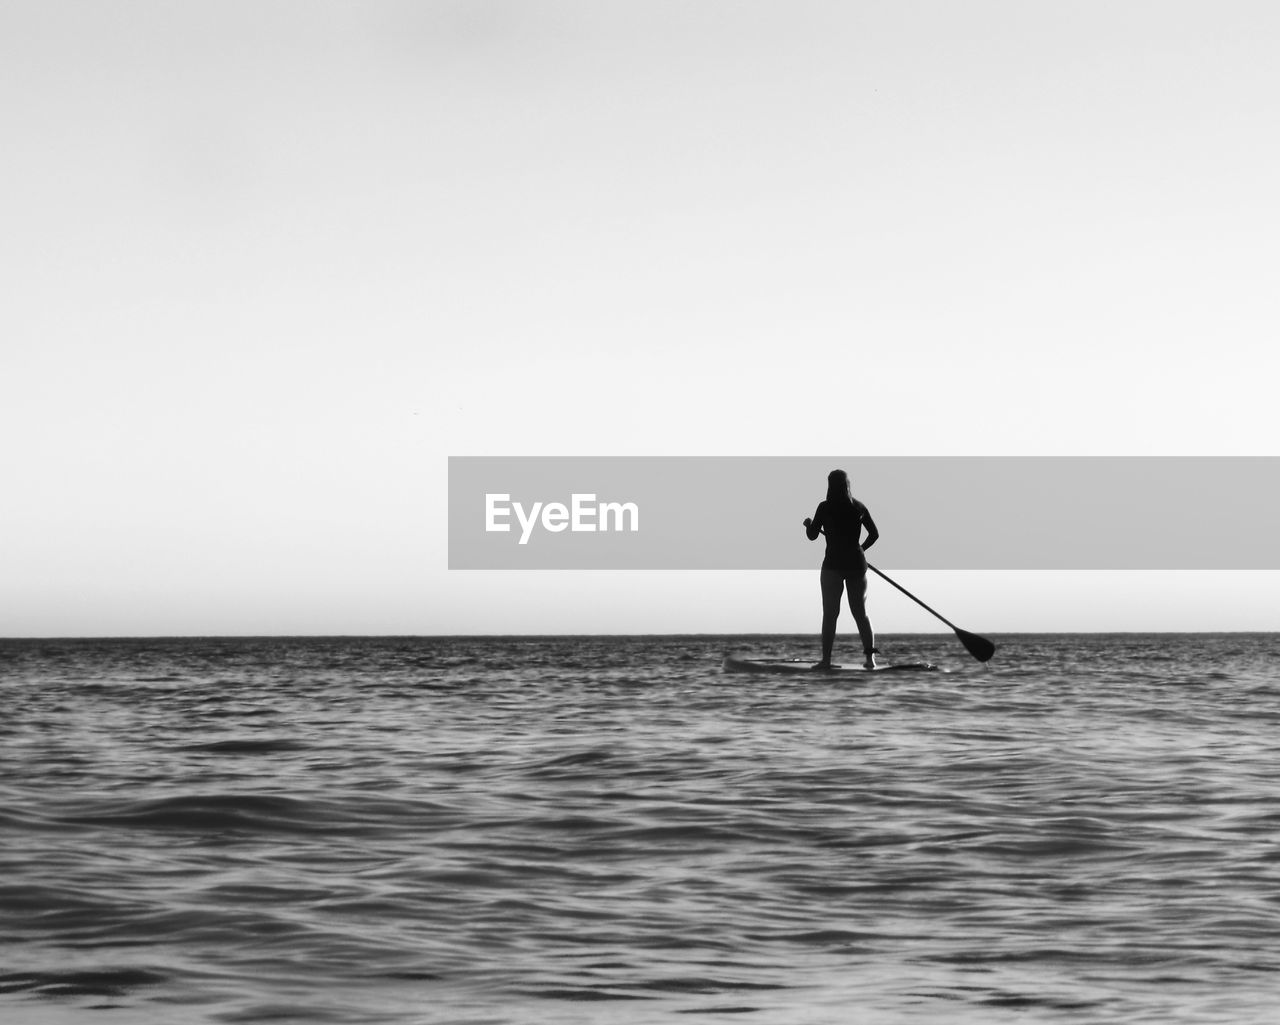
(808, 522)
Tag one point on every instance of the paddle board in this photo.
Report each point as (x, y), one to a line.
(752, 664)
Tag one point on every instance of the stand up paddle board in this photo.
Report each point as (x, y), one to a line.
(744, 664)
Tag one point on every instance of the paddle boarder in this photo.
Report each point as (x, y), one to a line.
(841, 517)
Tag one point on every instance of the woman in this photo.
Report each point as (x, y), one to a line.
(841, 517)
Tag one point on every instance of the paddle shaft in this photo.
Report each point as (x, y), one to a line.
(882, 576)
(979, 647)
(912, 597)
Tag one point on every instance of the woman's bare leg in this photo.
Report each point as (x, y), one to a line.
(832, 590)
(858, 606)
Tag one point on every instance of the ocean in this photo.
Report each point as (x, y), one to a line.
(611, 830)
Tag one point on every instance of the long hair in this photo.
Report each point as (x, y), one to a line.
(838, 490)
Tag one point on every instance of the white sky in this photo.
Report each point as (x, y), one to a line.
(266, 265)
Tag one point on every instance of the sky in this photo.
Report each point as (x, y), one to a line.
(269, 264)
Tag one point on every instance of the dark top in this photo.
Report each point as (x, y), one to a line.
(843, 526)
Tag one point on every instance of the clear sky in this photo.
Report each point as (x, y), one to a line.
(267, 265)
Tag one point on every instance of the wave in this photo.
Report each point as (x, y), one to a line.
(99, 982)
(251, 746)
(203, 813)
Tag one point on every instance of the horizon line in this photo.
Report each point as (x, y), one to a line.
(757, 633)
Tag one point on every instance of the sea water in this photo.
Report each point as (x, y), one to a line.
(592, 829)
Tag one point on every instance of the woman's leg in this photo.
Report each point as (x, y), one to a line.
(832, 590)
(858, 606)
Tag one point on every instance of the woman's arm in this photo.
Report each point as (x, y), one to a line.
(813, 527)
(873, 534)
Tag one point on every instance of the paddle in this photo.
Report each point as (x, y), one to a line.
(979, 647)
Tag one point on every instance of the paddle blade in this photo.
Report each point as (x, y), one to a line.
(979, 647)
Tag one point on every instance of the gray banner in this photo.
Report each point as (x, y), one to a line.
(933, 512)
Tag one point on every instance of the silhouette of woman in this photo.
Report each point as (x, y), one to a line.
(841, 517)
